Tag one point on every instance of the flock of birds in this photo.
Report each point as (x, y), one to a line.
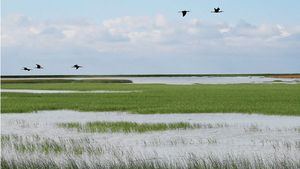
(216, 10)
(38, 66)
(184, 12)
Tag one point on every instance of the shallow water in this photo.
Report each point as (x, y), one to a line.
(61, 91)
(208, 80)
(237, 134)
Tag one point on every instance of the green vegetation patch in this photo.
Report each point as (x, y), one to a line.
(275, 99)
(13, 81)
(126, 127)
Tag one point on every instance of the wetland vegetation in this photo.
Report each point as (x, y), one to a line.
(128, 127)
(276, 99)
(148, 142)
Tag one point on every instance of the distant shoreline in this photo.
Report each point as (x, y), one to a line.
(290, 75)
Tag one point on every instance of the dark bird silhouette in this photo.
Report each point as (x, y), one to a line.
(217, 10)
(184, 13)
(26, 69)
(38, 66)
(76, 66)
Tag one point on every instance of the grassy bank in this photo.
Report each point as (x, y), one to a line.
(278, 99)
(13, 81)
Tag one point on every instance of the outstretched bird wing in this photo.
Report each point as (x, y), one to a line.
(25, 68)
(183, 13)
(38, 66)
(76, 66)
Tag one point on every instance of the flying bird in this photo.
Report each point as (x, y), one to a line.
(217, 10)
(26, 69)
(76, 66)
(38, 66)
(184, 13)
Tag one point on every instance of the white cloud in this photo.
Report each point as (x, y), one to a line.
(135, 31)
(148, 37)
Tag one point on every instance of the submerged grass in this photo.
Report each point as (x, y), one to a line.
(210, 162)
(126, 127)
(47, 146)
(31, 152)
(277, 99)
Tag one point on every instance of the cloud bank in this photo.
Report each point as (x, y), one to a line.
(149, 45)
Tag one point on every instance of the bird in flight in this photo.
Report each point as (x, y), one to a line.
(26, 69)
(38, 66)
(217, 10)
(76, 66)
(184, 13)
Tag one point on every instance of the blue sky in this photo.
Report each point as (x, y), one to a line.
(149, 36)
(254, 11)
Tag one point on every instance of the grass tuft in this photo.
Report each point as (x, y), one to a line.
(127, 127)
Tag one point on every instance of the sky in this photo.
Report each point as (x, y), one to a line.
(150, 36)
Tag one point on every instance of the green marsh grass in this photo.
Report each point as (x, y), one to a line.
(277, 99)
(32, 81)
(127, 127)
